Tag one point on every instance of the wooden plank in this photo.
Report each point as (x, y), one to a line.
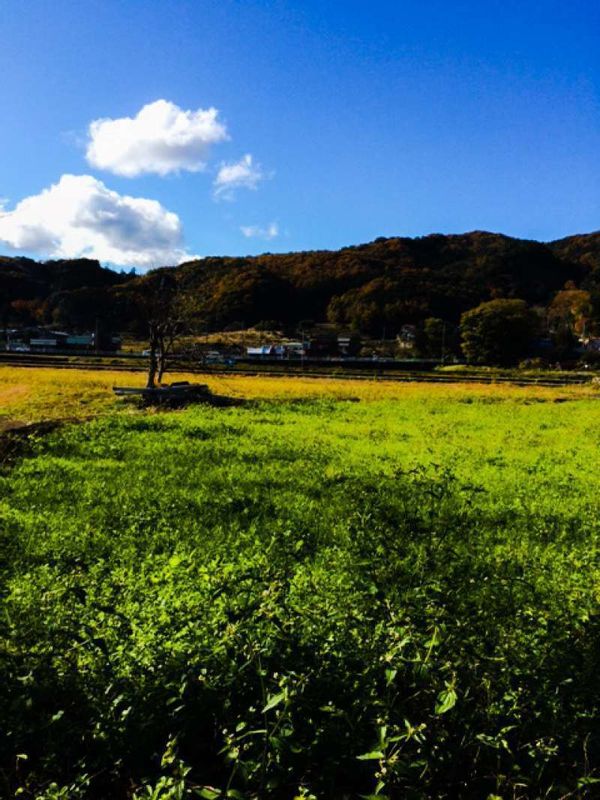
(164, 391)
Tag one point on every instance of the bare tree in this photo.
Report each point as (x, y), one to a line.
(166, 322)
(162, 337)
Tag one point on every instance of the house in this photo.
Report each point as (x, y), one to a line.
(282, 350)
(348, 344)
(265, 350)
(43, 344)
(44, 341)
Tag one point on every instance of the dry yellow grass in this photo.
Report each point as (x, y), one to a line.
(31, 395)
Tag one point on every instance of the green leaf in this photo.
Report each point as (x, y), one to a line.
(273, 701)
(587, 781)
(374, 797)
(374, 755)
(209, 793)
(445, 701)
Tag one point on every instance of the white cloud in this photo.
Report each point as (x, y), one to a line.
(160, 139)
(269, 232)
(242, 174)
(79, 216)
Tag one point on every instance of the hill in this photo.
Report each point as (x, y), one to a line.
(27, 279)
(582, 249)
(385, 283)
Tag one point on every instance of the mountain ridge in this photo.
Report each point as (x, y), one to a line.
(387, 282)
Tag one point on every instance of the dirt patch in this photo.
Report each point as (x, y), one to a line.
(7, 424)
(13, 393)
(16, 438)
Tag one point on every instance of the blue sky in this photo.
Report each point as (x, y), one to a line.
(361, 120)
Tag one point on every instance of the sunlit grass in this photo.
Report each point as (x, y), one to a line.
(31, 395)
(322, 573)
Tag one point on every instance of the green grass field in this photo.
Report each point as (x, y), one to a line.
(397, 597)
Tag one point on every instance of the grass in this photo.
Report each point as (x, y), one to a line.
(397, 597)
(33, 395)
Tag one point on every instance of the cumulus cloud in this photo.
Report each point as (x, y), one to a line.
(242, 174)
(79, 216)
(161, 138)
(268, 232)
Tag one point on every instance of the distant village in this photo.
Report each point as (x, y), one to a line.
(321, 343)
(43, 340)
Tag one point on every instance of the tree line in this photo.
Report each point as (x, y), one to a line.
(447, 287)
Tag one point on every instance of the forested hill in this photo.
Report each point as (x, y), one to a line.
(388, 282)
(583, 249)
(26, 279)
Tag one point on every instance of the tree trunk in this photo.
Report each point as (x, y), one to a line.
(161, 367)
(153, 361)
(152, 368)
(162, 357)
(162, 337)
